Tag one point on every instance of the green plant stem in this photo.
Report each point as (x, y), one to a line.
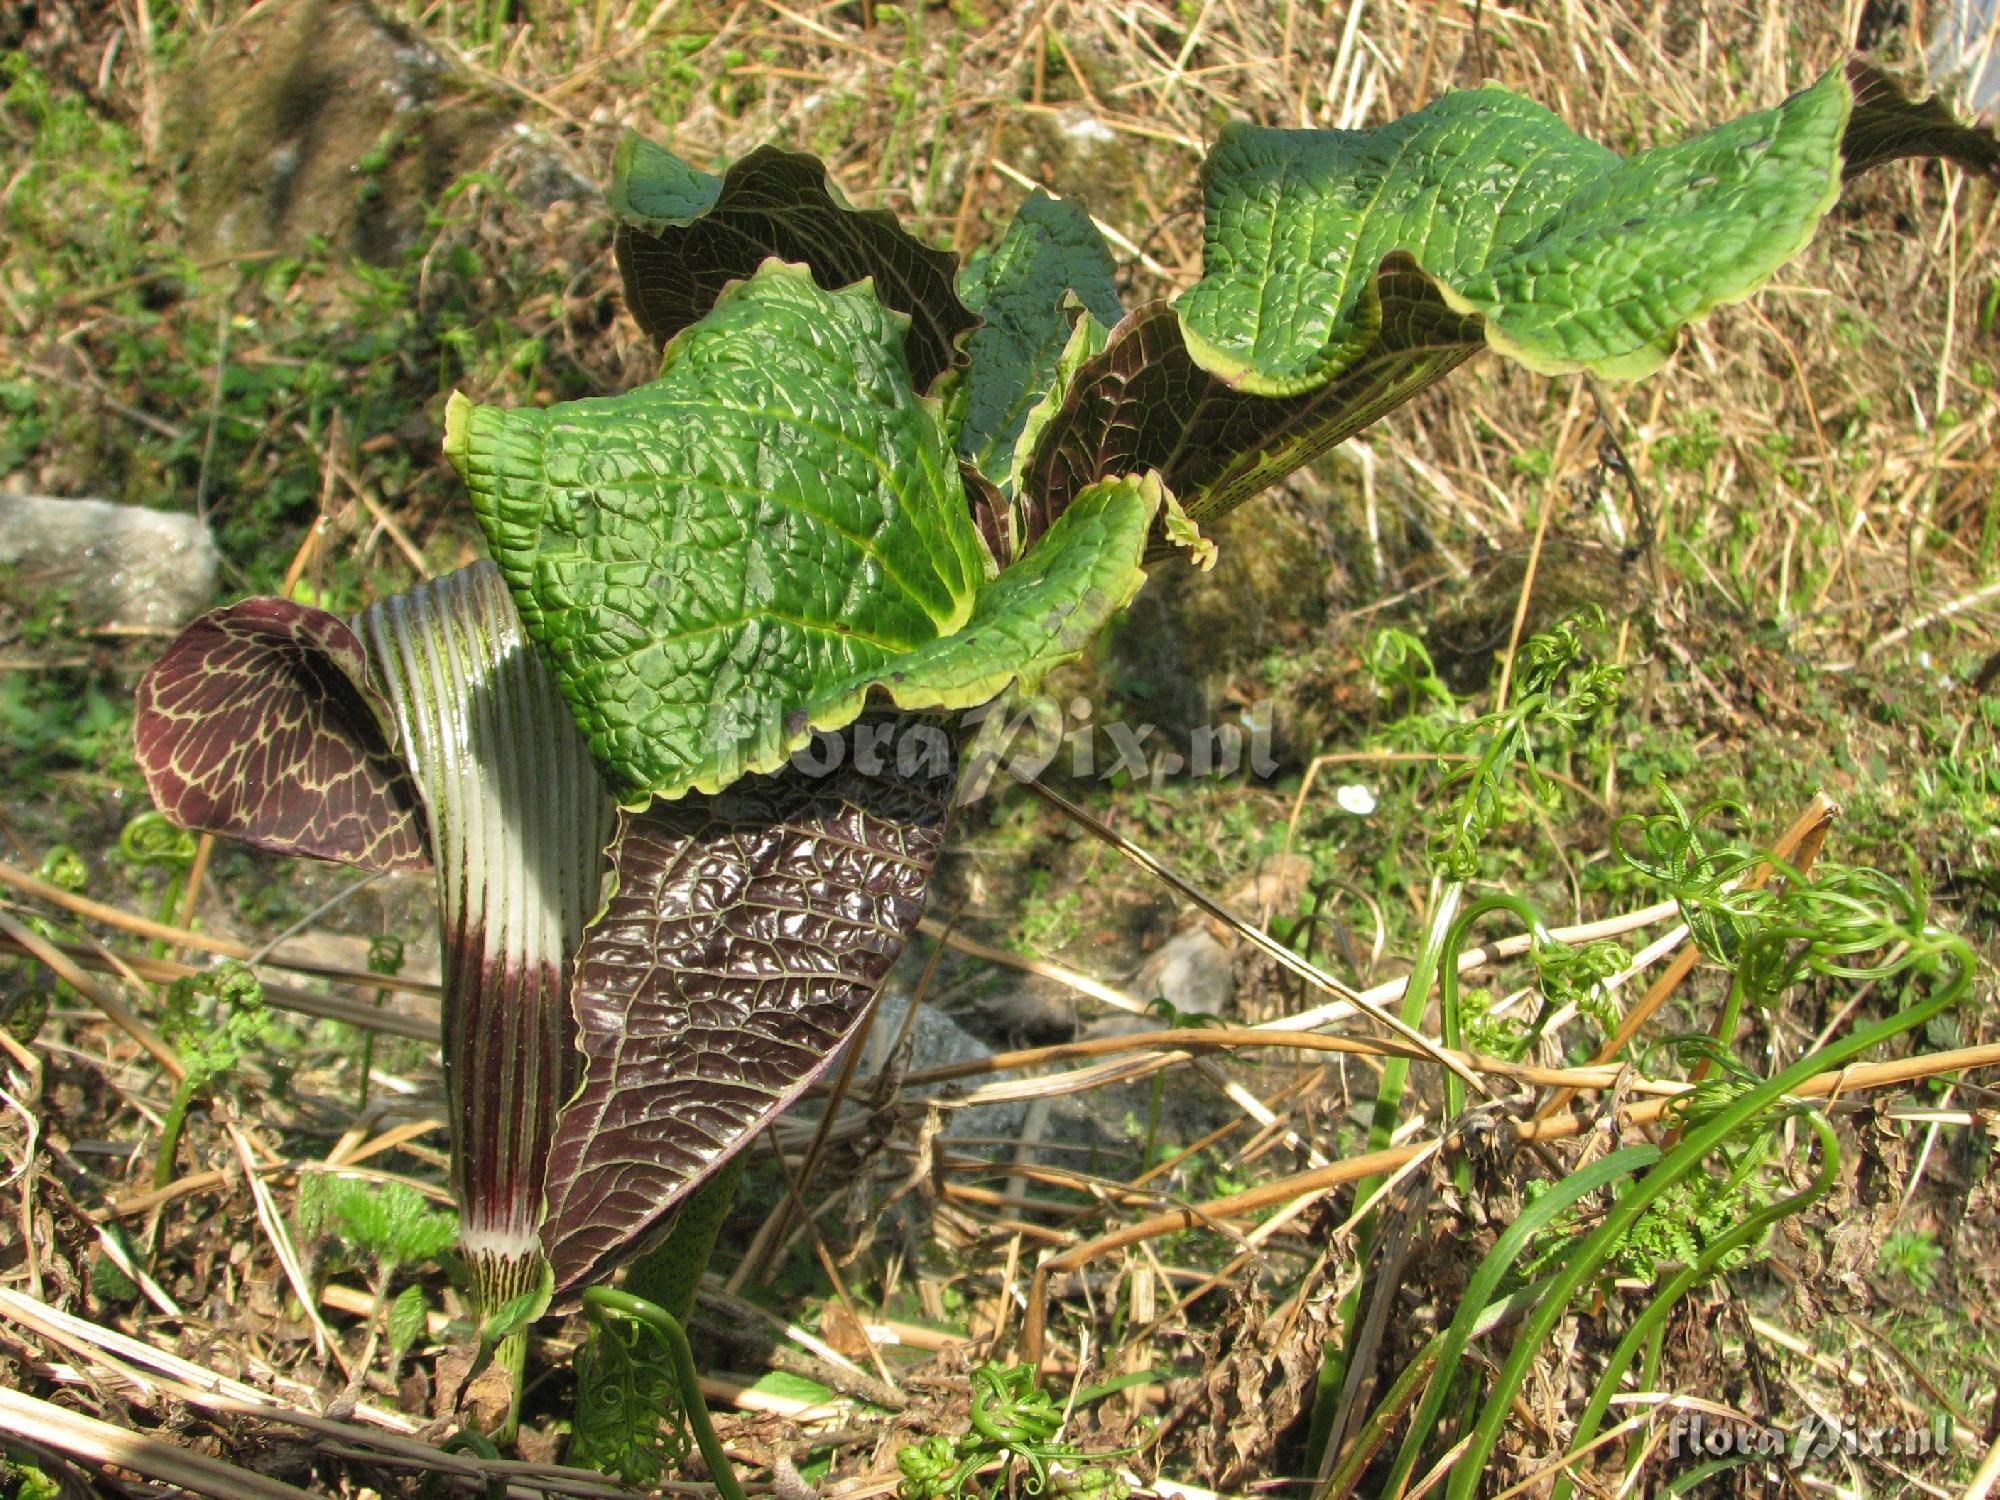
(628, 1389)
(1450, 1020)
(1438, 938)
(670, 1275)
(1153, 1108)
(368, 1056)
(664, 1323)
(170, 1132)
(1382, 1126)
(169, 911)
(1486, 1281)
(1650, 1325)
(367, 1068)
(509, 1291)
(511, 1355)
(1732, 1011)
(1371, 1434)
(1676, 1165)
(469, 1440)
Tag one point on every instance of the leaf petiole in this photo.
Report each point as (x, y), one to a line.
(601, 1300)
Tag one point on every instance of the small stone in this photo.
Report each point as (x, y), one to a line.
(103, 566)
(1194, 971)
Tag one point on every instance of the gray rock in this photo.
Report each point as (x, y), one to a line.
(1060, 1130)
(1194, 971)
(104, 566)
(937, 1041)
(1964, 51)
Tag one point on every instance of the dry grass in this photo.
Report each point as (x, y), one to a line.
(1811, 495)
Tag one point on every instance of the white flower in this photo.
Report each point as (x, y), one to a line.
(1357, 799)
(1081, 126)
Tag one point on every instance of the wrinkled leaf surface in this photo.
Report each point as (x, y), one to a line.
(746, 935)
(1347, 270)
(1051, 256)
(724, 560)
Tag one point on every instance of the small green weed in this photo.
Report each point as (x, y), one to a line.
(21, 1479)
(1048, 919)
(390, 1226)
(212, 1020)
(1912, 1255)
(1013, 1421)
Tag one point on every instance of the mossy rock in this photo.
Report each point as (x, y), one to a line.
(323, 119)
(1201, 649)
(1473, 623)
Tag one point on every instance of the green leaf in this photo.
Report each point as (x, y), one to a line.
(1181, 531)
(684, 235)
(212, 1038)
(1036, 615)
(312, 1204)
(390, 1220)
(1348, 270)
(1032, 511)
(1050, 258)
(108, 1282)
(789, 1387)
(27, 1481)
(409, 1322)
(724, 560)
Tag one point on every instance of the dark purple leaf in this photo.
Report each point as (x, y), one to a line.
(259, 723)
(748, 932)
(1143, 403)
(1887, 125)
(683, 235)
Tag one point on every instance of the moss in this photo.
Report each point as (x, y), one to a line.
(1196, 647)
(1473, 628)
(321, 118)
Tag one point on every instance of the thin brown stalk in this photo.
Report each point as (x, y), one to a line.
(197, 876)
(181, 937)
(1484, 955)
(115, 1011)
(284, 996)
(1526, 595)
(1256, 936)
(1185, 1041)
(1217, 1211)
(95, 1442)
(198, 1182)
